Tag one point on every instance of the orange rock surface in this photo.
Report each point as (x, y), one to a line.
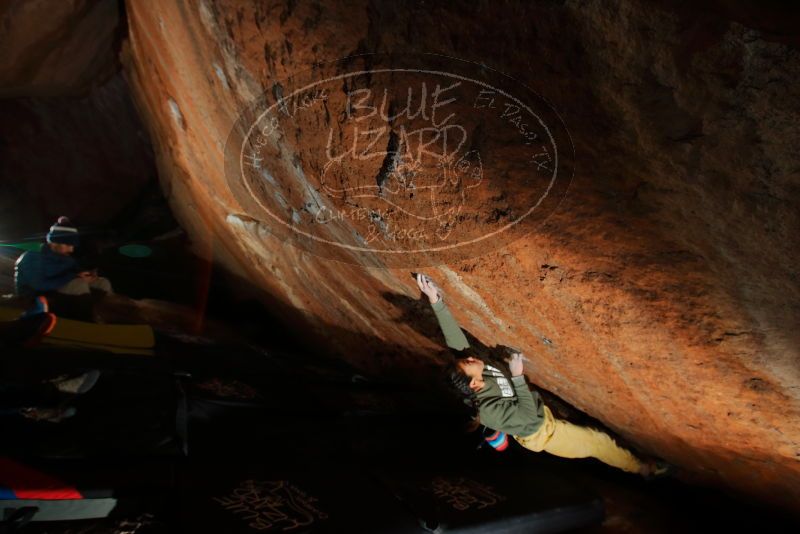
(660, 297)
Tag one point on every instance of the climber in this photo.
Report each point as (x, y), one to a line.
(510, 406)
(53, 269)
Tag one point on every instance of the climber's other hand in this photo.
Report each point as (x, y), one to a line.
(515, 364)
(427, 286)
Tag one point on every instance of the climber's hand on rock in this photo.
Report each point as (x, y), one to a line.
(427, 286)
(515, 364)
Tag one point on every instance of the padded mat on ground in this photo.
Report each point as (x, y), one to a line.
(111, 337)
(54, 494)
(485, 500)
(277, 499)
(344, 498)
(29, 494)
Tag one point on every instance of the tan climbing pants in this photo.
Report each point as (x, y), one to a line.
(79, 286)
(566, 440)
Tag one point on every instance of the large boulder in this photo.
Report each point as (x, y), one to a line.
(661, 296)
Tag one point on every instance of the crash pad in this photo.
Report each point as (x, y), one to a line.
(29, 494)
(112, 337)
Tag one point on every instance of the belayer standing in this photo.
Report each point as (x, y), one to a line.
(53, 269)
(508, 405)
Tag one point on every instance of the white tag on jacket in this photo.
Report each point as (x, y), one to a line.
(505, 386)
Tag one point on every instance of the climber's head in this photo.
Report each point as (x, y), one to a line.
(63, 237)
(466, 375)
(62, 248)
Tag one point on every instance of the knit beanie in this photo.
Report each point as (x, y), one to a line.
(63, 232)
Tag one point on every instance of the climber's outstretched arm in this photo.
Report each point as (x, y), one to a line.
(453, 335)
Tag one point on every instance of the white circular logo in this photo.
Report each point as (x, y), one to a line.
(399, 160)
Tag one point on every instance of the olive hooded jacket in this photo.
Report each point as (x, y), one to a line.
(503, 404)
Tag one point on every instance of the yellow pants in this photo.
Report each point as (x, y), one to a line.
(566, 440)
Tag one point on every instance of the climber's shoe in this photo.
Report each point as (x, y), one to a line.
(655, 469)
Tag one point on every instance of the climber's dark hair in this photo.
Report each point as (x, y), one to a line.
(457, 378)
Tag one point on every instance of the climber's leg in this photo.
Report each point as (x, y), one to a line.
(562, 438)
(76, 286)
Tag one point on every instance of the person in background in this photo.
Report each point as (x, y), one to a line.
(53, 269)
(508, 405)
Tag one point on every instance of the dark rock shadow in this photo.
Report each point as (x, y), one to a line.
(266, 321)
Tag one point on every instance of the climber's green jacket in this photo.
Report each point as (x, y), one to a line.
(508, 406)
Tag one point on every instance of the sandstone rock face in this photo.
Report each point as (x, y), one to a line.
(56, 47)
(661, 296)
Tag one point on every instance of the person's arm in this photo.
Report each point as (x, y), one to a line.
(57, 272)
(55, 281)
(21, 274)
(528, 406)
(524, 415)
(508, 415)
(520, 416)
(527, 403)
(453, 335)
